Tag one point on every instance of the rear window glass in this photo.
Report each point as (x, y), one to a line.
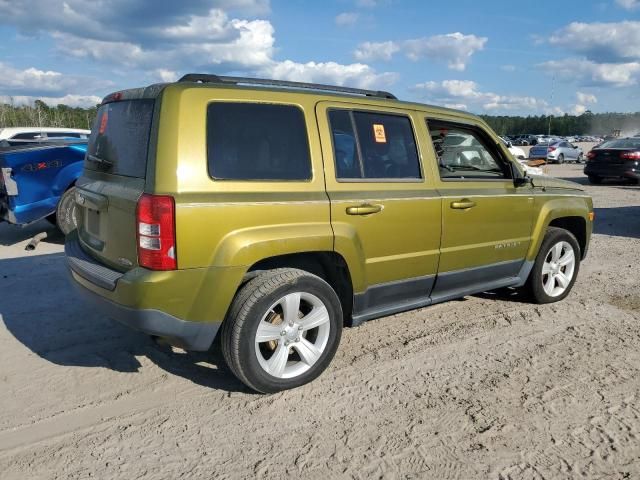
(622, 143)
(119, 139)
(372, 146)
(253, 141)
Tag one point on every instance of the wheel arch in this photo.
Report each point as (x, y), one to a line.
(571, 214)
(328, 265)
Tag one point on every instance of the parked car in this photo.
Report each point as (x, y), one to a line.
(619, 158)
(557, 152)
(515, 151)
(525, 140)
(37, 179)
(274, 212)
(41, 133)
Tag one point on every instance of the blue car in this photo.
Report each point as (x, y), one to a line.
(37, 179)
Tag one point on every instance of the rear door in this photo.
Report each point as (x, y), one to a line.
(384, 208)
(113, 180)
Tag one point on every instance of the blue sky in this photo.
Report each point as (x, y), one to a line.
(498, 57)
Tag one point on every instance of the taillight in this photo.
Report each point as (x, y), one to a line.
(591, 155)
(551, 149)
(155, 219)
(630, 155)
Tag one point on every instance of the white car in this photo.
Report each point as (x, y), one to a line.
(515, 151)
(41, 133)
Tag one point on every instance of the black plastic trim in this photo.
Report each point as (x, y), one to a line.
(89, 268)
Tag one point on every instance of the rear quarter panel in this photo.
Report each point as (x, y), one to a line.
(233, 223)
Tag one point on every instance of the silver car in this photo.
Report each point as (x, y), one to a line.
(557, 152)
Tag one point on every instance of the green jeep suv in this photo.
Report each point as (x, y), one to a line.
(272, 213)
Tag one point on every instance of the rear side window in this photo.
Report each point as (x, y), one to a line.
(373, 146)
(254, 141)
(119, 139)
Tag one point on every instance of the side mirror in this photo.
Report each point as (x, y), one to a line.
(518, 179)
(509, 144)
(575, 146)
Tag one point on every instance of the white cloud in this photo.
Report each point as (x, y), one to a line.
(586, 98)
(159, 43)
(587, 72)
(347, 19)
(371, 51)
(250, 46)
(32, 80)
(368, 3)
(508, 68)
(601, 42)
(466, 93)
(457, 106)
(166, 75)
(353, 75)
(629, 4)
(454, 48)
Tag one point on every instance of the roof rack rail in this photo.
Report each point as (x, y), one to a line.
(220, 79)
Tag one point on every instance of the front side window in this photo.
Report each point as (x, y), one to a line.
(463, 153)
(257, 141)
(373, 146)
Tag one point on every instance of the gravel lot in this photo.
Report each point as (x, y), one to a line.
(484, 387)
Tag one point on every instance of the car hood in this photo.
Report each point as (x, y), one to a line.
(540, 181)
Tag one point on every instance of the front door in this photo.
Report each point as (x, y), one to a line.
(487, 220)
(385, 212)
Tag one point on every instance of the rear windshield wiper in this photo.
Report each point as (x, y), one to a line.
(102, 161)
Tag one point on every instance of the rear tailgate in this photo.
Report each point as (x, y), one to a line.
(608, 156)
(113, 180)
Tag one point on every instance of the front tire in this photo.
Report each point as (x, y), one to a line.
(282, 330)
(556, 267)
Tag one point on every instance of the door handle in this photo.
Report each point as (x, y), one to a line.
(364, 209)
(463, 204)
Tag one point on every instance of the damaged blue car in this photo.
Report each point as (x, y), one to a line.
(37, 181)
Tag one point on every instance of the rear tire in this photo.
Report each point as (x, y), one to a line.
(556, 267)
(65, 216)
(560, 159)
(282, 330)
(595, 180)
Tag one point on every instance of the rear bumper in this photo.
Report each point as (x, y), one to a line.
(619, 170)
(96, 282)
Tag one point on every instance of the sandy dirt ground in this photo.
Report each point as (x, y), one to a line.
(485, 387)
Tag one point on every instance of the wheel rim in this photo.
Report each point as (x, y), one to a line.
(292, 335)
(558, 269)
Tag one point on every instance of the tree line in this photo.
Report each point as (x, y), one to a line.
(586, 124)
(42, 115)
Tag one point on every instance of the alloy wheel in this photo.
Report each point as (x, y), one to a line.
(558, 269)
(292, 335)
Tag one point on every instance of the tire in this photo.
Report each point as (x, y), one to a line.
(560, 159)
(284, 359)
(595, 180)
(65, 216)
(580, 158)
(544, 284)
